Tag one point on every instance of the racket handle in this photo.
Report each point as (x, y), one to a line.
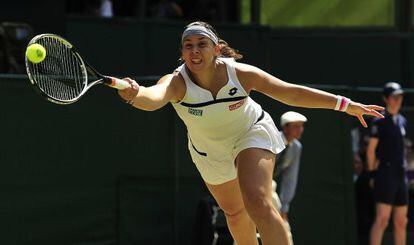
(116, 83)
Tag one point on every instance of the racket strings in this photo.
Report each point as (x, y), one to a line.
(61, 75)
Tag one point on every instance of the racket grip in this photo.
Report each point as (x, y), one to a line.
(117, 83)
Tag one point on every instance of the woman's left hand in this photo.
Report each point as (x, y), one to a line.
(359, 110)
(129, 94)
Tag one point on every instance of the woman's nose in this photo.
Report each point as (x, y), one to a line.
(195, 50)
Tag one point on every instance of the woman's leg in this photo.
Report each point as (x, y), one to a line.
(255, 170)
(229, 198)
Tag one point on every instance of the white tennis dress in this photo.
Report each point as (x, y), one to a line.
(218, 129)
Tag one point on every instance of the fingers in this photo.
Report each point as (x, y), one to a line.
(362, 121)
(133, 83)
(375, 107)
(373, 112)
(128, 79)
(359, 110)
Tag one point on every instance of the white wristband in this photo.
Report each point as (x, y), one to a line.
(338, 102)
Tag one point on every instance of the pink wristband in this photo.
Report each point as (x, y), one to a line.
(342, 103)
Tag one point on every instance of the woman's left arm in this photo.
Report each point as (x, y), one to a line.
(253, 78)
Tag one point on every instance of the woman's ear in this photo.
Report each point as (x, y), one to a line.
(217, 50)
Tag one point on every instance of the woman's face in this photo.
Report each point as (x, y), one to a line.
(198, 52)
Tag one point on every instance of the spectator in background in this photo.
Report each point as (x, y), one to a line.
(287, 163)
(387, 165)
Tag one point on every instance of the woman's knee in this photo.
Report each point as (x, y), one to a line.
(258, 205)
(232, 209)
(233, 216)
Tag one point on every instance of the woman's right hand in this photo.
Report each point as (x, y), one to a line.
(129, 94)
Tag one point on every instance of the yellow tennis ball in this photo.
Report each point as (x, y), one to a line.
(36, 53)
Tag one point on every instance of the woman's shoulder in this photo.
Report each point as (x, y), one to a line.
(174, 84)
(178, 85)
(246, 69)
(240, 67)
(248, 73)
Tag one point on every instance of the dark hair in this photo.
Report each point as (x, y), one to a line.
(226, 50)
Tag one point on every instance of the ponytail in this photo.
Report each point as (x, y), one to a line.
(229, 52)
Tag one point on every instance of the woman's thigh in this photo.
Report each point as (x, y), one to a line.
(228, 196)
(255, 172)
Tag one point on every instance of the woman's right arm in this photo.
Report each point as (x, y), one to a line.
(170, 87)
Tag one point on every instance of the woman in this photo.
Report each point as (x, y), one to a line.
(232, 141)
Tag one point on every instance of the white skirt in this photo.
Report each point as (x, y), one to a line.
(217, 164)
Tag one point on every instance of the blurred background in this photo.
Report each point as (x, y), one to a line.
(98, 172)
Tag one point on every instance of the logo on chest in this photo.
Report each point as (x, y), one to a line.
(236, 105)
(195, 112)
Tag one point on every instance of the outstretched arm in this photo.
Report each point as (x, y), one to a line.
(296, 95)
(169, 88)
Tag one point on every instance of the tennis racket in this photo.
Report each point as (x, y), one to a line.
(62, 77)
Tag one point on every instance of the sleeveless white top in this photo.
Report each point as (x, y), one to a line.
(214, 125)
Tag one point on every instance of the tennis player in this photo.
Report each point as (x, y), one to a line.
(232, 141)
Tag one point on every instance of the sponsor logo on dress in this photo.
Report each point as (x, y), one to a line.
(195, 112)
(233, 91)
(237, 105)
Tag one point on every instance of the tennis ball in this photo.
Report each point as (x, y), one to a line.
(36, 53)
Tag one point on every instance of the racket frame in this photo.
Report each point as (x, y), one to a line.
(85, 67)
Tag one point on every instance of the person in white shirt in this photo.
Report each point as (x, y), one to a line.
(288, 161)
